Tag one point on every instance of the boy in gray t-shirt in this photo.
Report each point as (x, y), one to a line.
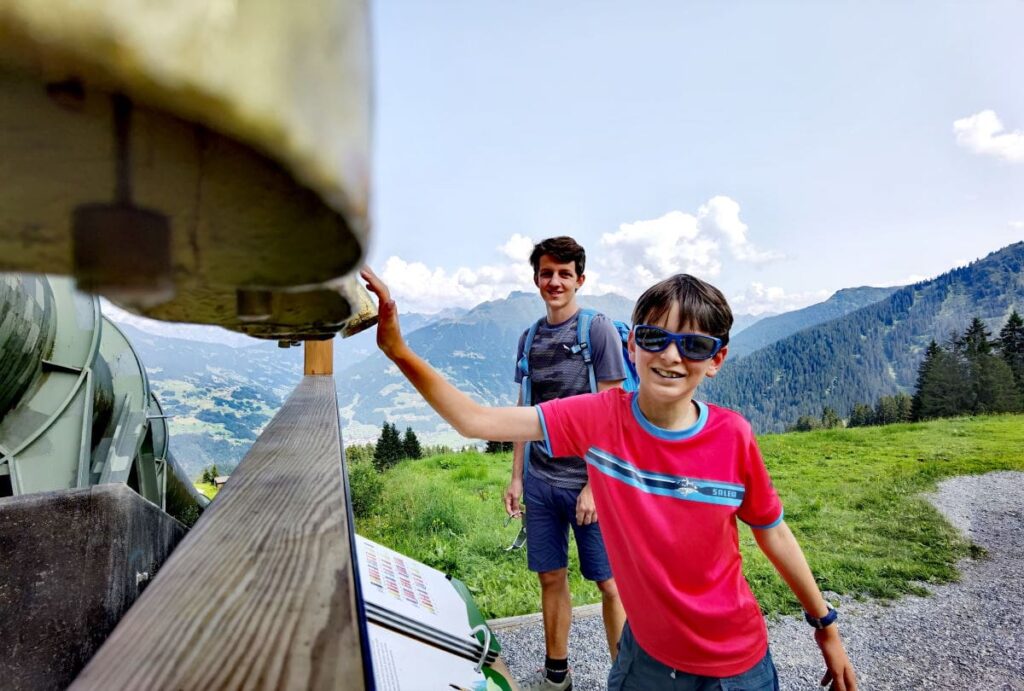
(557, 493)
(557, 372)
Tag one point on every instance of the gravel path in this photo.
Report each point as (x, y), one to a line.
(965, 636)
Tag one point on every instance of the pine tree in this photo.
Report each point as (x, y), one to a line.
(1011, 347)
(389, 448)
(830, 418)
(493, 447)
(931, 354)
(886, 411)
(395, 441)
(976, 339)
(862, 415)
(944, 387)
(993, 386)
(904, 407)
(411, 445)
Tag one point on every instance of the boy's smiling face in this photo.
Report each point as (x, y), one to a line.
(557, 281)
(666, 377)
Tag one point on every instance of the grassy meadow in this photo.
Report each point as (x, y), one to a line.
(851, 496)
(207, 489)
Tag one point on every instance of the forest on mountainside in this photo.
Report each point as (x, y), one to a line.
(871, 352)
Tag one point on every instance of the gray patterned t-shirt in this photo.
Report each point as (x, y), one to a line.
(557, 372)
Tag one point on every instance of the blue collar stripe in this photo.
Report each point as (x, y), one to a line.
(677, 486)
(671, 435)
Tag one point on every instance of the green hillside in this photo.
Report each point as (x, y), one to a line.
(871, 352)
(852, 497)
(772, 329)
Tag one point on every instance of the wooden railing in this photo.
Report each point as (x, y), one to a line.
(262, 592)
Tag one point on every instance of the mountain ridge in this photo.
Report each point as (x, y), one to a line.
(872, 351)
(771, 329)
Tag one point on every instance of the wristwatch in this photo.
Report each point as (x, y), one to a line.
(825, 621)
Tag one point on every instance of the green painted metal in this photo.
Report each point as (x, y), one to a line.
(75, 405)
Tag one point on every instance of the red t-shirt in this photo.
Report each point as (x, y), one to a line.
(667, 503)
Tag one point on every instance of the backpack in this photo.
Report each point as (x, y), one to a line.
(583, 323)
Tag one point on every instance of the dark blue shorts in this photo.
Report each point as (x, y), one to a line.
(635, 669)
(549, 513)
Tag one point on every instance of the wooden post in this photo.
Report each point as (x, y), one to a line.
(319, 357)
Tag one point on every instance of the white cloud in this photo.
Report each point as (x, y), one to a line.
(518, 248)
(627, 261)
(982, 133)
(759, 298)
(721, 216)
(1017, 225)
(644, 252)
(418, 288)
(641, 253)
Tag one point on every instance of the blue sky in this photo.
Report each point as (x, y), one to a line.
(781, 150)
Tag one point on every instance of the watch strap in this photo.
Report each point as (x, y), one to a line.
(825, 621)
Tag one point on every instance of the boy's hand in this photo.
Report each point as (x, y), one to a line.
(389, 335)
(586, 510)
(512, 494)
(839, 674)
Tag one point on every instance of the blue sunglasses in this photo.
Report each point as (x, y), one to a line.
(691, 346)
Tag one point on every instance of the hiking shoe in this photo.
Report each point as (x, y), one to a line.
(539, 682)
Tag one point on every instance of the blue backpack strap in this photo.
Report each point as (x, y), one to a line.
(526, 390)
(583, 322)
(632, 381)
(524, 364)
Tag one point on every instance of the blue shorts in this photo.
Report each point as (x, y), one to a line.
(549, 513)
(635, 669)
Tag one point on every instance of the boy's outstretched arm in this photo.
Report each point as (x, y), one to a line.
(469, 418)
(783, 551)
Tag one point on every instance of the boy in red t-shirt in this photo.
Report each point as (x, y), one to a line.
(670, 475)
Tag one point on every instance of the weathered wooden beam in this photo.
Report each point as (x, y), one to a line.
(261, 594)
(318, 357)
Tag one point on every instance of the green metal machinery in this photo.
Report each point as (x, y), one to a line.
(76, 409)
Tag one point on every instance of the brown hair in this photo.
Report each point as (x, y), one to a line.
(563, 248)
(700, 304)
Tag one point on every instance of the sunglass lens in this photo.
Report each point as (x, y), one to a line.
(700, 347)
(650, 338)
